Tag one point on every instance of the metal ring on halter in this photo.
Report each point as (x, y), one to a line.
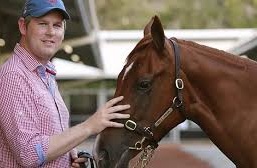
(138, 145)
(177, 102)
(130, 125)
(179, 83)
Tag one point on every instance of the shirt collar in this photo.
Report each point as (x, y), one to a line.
(30, 62)
(50, 68)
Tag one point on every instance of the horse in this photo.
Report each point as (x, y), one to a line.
(167, 81)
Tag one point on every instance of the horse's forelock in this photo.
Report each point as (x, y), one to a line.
(140, 45)
(144, 46)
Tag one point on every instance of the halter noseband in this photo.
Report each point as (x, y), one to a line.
(177, 103)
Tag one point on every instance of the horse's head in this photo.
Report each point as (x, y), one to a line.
(151, 86)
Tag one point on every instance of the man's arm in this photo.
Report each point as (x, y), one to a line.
(18, 120)
(70, 138)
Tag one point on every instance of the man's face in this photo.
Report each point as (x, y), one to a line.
(43, 36)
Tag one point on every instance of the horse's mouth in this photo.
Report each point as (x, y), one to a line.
(104, 160)
(126, 157)
(108, 156)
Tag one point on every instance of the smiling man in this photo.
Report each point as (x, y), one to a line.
(34, 120)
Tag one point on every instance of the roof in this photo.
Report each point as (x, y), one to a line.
(247, 47)
(70, 70)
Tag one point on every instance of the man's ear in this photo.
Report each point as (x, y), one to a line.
(22, 25)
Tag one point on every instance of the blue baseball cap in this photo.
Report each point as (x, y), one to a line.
(37, 8)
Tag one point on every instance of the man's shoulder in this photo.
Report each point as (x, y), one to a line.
(12, 66)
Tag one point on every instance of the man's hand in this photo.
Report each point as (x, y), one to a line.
(103, 117)
(76, 162)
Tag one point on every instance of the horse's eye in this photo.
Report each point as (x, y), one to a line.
(144, 85)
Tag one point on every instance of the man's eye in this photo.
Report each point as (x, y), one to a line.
(57, 25)
(42, 23)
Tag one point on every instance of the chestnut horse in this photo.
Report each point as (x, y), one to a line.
(167, 81)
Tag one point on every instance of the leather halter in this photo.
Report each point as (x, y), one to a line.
(177, 103)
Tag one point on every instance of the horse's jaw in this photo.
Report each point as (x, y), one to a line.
(106, 157)
(122, 162)
(125, 158)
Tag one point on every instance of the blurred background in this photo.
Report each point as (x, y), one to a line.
(101, 34)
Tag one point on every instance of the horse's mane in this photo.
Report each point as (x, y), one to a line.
(206, 48)
(228, 57)
(220, 54)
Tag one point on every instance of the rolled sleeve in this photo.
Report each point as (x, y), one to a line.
(19, 123)
(41, 149)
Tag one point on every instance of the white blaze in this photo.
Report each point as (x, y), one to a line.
(127, 70)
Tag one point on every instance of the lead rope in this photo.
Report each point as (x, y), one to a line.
(145, 157)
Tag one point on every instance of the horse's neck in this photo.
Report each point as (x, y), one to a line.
(220, 81)
(222, 98)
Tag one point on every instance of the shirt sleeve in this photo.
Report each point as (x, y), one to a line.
(19, 122)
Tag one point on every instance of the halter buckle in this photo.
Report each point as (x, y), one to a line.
(130, 125)
(148, 131)
(179, 83)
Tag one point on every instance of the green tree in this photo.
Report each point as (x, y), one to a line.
(123, 14)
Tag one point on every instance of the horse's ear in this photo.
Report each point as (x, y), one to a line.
(157, 33)
(147, 29)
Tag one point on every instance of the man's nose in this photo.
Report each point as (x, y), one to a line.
(50, 30)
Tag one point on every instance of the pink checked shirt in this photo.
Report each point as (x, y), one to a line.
(29, 113)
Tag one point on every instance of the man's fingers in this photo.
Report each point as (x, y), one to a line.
(115, 124)
(74, 154)
(75, 165)
(81, 160)
(118, 108)
(113, 101)
(118, 116)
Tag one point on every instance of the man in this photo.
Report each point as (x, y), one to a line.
(33, 118)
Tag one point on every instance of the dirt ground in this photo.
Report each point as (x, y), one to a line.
(171, 156)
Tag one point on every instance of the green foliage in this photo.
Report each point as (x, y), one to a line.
(124, 14)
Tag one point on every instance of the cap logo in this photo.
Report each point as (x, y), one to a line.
(52, 2)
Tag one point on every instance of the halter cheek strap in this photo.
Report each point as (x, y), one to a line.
(177, 103)
(179, 84)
